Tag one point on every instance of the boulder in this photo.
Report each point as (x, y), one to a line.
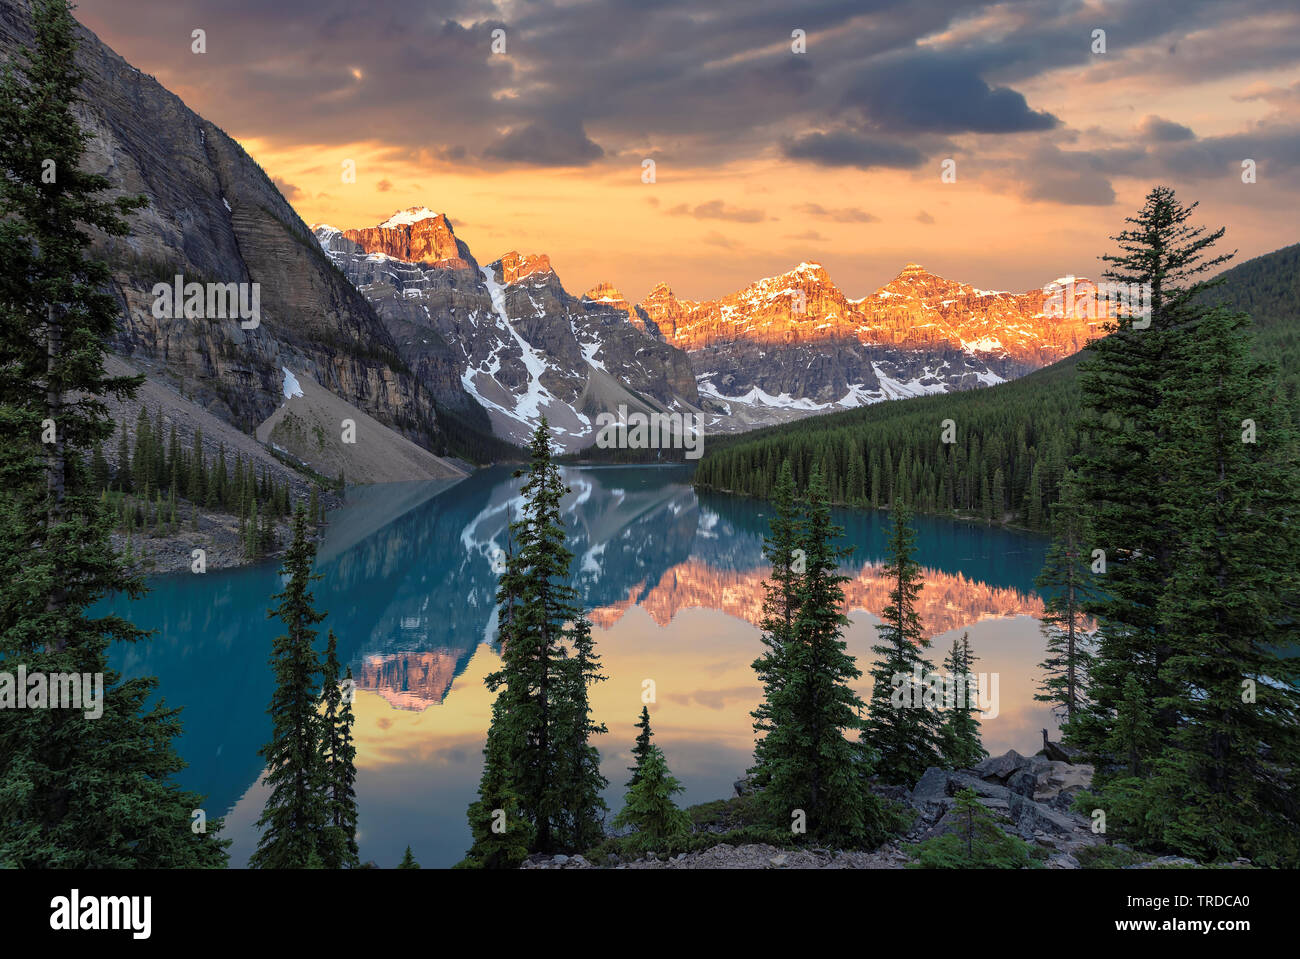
(932, 797)
(1001, 767)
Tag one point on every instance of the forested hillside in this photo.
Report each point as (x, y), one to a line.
(1011, 442)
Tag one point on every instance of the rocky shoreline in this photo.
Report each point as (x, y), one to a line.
(1029, 796)
(217, 535)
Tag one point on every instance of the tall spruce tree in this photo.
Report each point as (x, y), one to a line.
(75, 792)
(338, 755)
(295, 815)
(538, 750)
(408, 860)
(813, 767)
(1223, 782)
(649, 806)
(959, 734)
(502, 834)
(579, 761)
(641, 746)
(1067, 583)
(1124, 477)
(902, 727)
(781, 597)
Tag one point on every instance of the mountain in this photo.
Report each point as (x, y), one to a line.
(1015, 439)
(506, 334)
(214, 217)
(797, 341)
(785, 347)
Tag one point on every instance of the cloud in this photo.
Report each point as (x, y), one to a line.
(848, 148)
(383, 186)
(546, 145)
(599, 81)
(1070, 177)
(923, 217)
(812, 236)
(713, 698)
(287, 190)
(928, 92)
(848, 214)
(1164, 131)
(717, 210)
(717, 239)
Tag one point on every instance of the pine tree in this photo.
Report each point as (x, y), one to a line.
(74, 792)
(813, 766)
(141, 467)
(780, 609)
(1124, 471)
(579, 761)
(253, 535)
(538, 753)
(1222, 782)
(1066, 582)
(338, 849)
(100, 477)
(641, 747)
(1034, 500)
(296, 812)
(196, 487)
(902, 727)
(976, 843)
(174, 462)
(1132, 737)
(959, 736)
(122, 476)
(408, 860)
(502, 834)
(649, 806)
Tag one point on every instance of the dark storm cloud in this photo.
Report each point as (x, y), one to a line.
(544, 144)
(881, 83)
(849, 148)
(931, 93)
(1164, 131)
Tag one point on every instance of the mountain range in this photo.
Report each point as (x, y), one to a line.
(784, 347)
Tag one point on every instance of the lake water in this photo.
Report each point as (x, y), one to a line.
(673, 584)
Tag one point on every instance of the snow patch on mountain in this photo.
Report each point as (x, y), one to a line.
(292, 387)
(408, 217)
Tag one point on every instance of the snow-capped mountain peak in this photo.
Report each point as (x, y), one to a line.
(408, 217)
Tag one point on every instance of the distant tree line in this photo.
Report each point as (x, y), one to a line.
(1009, 451)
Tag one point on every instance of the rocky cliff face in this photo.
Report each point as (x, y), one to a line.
(215, 217)
(506, 334)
